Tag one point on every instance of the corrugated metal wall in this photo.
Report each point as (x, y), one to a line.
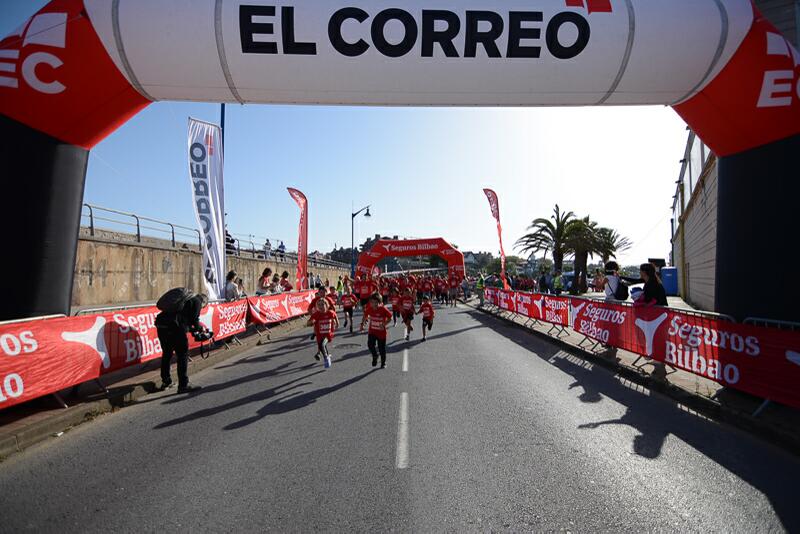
(783, 14)
(695, 245)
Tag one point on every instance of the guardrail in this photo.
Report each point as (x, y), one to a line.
(137, 224)
(171, 232)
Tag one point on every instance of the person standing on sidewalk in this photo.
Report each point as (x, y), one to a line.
(481, 286)
(172, 327)
(558, 283)
(379, 317)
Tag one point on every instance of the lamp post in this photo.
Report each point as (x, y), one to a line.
(352, 239)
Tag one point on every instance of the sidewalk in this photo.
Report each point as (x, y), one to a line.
(40, 419)
(775, 422)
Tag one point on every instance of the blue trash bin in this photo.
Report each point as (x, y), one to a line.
(669, 277)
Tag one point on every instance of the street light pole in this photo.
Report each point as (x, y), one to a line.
(352, 239)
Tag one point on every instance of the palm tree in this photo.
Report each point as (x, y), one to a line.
(548, 234)
(610, 243)
(582, 242)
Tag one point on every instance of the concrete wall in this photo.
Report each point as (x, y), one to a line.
(695, 245)
(113, 272)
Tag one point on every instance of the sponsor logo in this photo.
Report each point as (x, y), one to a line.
(429, 32)
(779, 88)
(649, 329)
(92, 337)
(594, 6)
(39, 69)
(198, 169)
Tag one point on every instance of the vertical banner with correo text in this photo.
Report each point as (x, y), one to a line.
(302, 240)
(494, 203)
(208, 195)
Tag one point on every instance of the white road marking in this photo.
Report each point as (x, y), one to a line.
(405, 360)
(401, 461)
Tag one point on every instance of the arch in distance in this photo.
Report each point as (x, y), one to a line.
(78, 69)
(388, 248)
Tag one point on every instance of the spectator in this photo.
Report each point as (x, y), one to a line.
(275, 286)
(464, 289)
(230, 243)
(262, 287)
(654, 293)
(267, 249)
(240, 288)
(310, 281)
(599, 281)
(543, 285)
(282, 251)
(286, 285)
(340, 287)
(558, 283)
(614, 280)
(481, 286)
(317, 281)
(231, 288)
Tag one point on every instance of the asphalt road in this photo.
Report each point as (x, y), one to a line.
(502, 432)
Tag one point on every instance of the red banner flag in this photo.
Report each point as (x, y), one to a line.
(494, 203)
(302, 240)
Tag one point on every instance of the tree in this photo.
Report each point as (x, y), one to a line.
(609, 243)
(581, 240)
(512, 264)
(548, 234)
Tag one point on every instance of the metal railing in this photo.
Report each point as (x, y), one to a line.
(92, 214)
(136, 222)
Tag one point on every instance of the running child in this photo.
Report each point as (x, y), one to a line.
(385, 291)
(426, 310)
(365, 291)
(395, 300)
(407, 311)
(378, 316)
(349, 302)
(453, 296)
(325, 322)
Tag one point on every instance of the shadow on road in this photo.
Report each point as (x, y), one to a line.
(655, 417)
(295, 401)
(256, 397)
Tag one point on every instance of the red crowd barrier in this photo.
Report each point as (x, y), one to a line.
(42, 357)
(758, 360)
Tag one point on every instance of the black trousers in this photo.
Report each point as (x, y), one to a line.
(372, 341)
(174, 340)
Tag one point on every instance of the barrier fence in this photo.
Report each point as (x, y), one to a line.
(41, 357)
(762, 360)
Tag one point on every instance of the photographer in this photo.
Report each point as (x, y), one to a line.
(180, 314)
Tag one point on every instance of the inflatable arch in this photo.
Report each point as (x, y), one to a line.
(389, 248)
(79, 69)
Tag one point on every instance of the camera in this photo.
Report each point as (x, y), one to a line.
(203, 335)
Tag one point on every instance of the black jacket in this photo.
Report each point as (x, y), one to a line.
(186, 320)
(653, 290)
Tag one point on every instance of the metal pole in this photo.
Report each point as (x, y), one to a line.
(222, 123)
(352, 247)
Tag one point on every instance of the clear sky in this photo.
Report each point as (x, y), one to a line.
(421, 169)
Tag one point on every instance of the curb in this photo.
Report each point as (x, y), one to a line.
(122, 396)
(703, 405)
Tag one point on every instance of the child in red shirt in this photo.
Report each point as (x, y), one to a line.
(407, 311)
(325, 323)
(349, 302)
(378, 316)
(426, 310)
(395, 299)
